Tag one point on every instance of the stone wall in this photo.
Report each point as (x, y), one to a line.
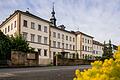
(70, 62)
(24, 59)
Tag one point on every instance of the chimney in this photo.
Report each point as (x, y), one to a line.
(62, 27)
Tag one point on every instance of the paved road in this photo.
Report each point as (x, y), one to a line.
(40, 73)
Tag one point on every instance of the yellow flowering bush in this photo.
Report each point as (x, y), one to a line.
(107, 70)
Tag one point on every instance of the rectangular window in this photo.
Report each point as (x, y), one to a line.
(73, 47)
(58, 35)
(88, 41)
(63, 36)
(39, 52)
(45, 29)
(54, 34)
(88, 48)
(45, 52)
(83, 47)
(70, 39)
(83, 40)
(11, 26)
(32, 25)
(66, 46)
(8, 28)
(25, 35)
(32, 37)
(39, 27)
(73, 39)
(15, 24)
(54, 43)
(5, 30)
(45, 40)
(63, 45)
(70, 46)
(39, 39)
(66, 37)
(58, 44)
(25, 23)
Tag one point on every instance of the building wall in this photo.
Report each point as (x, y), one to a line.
(12, 27)
(84, 45)
(36, 44)
(97, 50)
(57, 36)
(79, 45)
(53, 35)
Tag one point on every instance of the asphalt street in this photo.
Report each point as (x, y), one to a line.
(41, 73)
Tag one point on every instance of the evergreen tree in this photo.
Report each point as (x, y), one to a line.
(5, 46)
(107, 51)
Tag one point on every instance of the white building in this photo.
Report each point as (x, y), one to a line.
(97, 49)
(84, 45)
(34, 29)
(47, 38)
(63, 41)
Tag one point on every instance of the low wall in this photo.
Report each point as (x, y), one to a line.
(23, 59)
(70, 62)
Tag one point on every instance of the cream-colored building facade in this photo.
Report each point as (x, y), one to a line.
(48, 39)
(84, 45)
(62, 41)
(34, 29)
(97, 49)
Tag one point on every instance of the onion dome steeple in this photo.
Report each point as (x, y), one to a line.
(53, 19)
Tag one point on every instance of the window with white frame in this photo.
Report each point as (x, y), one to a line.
(54, 34)
(58, 44)
(25, 35)
(63, 45)
(45, 29)
(63, 36)
(39, 52)
(45, 40)
(54, 43)
(66, 46)
(32, 37)
(11, 26)
(70, 46)
(66, 37)
(70, 38)
(58, 35)
(39, 38)
(32, 25)
(39, 27)
(45, 52)
(73, 39)
(25, 23)
(73, 47)
(8, 28)
(15, 24)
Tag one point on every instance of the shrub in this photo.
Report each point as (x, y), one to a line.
(107, 70)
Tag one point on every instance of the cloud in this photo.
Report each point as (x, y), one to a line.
(99, 18)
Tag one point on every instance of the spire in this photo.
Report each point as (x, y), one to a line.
(53, 19)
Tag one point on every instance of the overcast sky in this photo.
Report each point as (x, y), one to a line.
(98, 18)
